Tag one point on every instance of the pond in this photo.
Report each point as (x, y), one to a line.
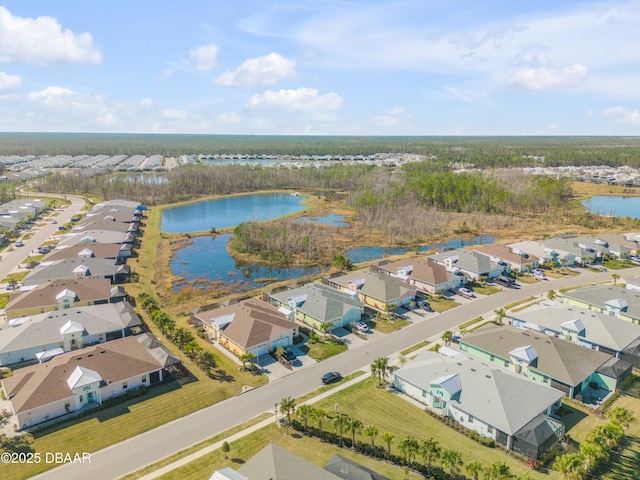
(616, 206)
(229, 211)
(207, 259)
(365, 254)
(330, 219)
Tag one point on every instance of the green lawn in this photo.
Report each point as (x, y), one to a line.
(619, 264)
(526, 279)
(321, 351)
(4, 297)
(383, 325)
(440, 304)
(371, 405)
(486, 290)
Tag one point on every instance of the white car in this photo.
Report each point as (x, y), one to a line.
(363, 327)
(539, 275)
(465, 292)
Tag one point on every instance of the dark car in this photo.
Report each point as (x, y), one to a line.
(62, 229)
(289, 356)
(331, 377)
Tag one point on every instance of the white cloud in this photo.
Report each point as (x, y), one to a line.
(9, 82)
(50, 96)
(173, 114)
(42, 41)
(546, 78)
(165, 74)
(623, 115)
(228, 118)
(263, 71)
(303, 99)
(531, 56)
(204, 58)
(466, 95)
(147, 102)
(391, 118)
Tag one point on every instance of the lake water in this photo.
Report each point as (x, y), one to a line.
(618, 206)
(329, 219)
(229, 212)
(207, 258)
(365, 254)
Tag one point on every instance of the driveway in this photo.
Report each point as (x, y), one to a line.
(274, 369)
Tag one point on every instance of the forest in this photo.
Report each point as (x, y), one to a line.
(483, 152)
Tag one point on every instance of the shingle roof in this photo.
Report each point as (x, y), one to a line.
(376, 285)
(494, 395)
(507, 254)
(350, 470)
(44, 383)
(276, 463)
(321, 302)
(66, 269)
(100, 250)
(467, 260)
(424, 270)
(558, 359)
(599, 295)
(254, 322)
(86, 290)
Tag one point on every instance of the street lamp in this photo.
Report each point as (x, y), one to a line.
(275, 408)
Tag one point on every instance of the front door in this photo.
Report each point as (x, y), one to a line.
(90, 397)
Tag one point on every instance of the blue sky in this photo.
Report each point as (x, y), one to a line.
(414, 67)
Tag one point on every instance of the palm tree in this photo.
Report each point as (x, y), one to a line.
(615, 277)
(621, 416)
(380, 368)
(409, 447)
(499, 471)
(371, 431)
(500, 314)
(571, 466)
(452, 460)
(244, 358)
(429, 450)
(304, 412)
(592, 453)
(287, 405)
(13, 283)
(355, 426)
(551, 294)
(388, 438)
(446, 337)
(474, 468)
(341, 425)
(326, 327)
(318, 415)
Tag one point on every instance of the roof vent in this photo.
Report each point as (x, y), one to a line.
(103, 351)
(79, 358)
(90, 355)
(488, 376)
(473, 369)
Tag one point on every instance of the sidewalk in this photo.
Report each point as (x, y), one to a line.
(213, 447)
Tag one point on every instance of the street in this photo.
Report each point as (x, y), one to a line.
(147, 448)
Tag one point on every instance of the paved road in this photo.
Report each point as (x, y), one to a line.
(147, 448)
(10, 260)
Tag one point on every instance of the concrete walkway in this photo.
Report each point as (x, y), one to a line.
(247, 431)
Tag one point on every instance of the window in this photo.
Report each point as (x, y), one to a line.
(489, 429)
(470, 418)
(44, 348)
(545, 379)
(493, 358)
(144, 379)
(124, 385)
(424, 393)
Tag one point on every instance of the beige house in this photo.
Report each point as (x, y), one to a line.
(61, 294)
(81, 379)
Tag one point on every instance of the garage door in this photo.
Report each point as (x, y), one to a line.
(281, 342)
(259, 350)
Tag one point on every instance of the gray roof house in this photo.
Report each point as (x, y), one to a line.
(350, 470)
(374, 288)
(538, 249)
(275, 463)
(587, 328)
(99, 236)
(469, 263)
(42, 336)
(612, 300)
(492, 400)
(77, 268)
(315, 304)
(424, 274)
(546, 359)
(633, 283)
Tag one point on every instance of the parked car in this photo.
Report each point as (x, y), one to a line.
(363, 327)
(331, 377)
(635, 258)
(505, 281)
(43, 250)
(19, 243)
(54, 222)
(288, 355)
(465, 292)
(62, 228)
(539, 275)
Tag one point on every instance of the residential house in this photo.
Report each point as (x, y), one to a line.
(42, 336)
(71, 268)
(539, 250)
(547, 360)
(349, 470)
(60, 294)
(316, 304)
(374, 288)
(619, 245)
(424, 274)
(515, 259)
(250, 326)
(80, 379)
(587, 328)
(492, 400)
(92, 250)
(469, 263)
(612, 300)
(583, 250)
(97, 236)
